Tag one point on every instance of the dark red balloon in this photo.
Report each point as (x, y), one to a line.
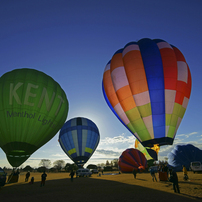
(132, 159)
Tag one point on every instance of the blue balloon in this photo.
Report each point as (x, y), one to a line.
(184, 155)
(79, 137)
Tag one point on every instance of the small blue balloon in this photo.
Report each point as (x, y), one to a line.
(79, 137)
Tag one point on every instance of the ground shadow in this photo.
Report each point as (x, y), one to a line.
(189, 182)
(86, 190)
(140, 179)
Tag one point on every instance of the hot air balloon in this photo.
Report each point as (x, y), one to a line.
(149, 153)
(147, 85)
(184, 155)
(33, 107)
(132, 159)
(79, 137)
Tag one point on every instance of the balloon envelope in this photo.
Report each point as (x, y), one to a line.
(184, 155)
(147, 85)
(79, 138)
(141, 148)
(132, 159)
(149, 153)
(33, 107)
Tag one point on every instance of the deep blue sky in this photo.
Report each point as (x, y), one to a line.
(72, 41)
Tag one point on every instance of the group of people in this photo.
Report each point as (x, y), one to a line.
(171, 175)
(43, 178)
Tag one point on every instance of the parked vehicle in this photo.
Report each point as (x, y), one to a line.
(81, 172)
(94, 171)
(196, 166)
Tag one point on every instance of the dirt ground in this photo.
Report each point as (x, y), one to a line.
(122, 187)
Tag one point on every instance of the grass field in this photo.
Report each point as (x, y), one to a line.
(123, 187)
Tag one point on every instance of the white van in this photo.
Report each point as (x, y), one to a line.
(196, 166)
(81, 172)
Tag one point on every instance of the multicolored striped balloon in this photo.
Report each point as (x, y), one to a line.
(132, 159)
(79, 137)
(147, 85)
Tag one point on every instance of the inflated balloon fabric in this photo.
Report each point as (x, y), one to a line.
(79, 137)
(132, 159)
(184, 155)
(147, 85)
(33, 107)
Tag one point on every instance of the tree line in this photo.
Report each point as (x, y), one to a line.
(61, 166)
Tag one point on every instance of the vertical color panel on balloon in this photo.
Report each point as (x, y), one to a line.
(155, 80)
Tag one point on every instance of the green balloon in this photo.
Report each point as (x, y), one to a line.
(33, 107)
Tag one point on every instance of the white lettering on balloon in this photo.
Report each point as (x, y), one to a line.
(29, 97)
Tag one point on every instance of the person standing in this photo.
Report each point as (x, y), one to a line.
(134, 173)
(72, 175)
(32, 181)
(174, 180)
(43, 178)
(185, 172)
(152, 172)
(27, 176)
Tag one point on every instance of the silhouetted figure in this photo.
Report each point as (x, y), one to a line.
(134, 173)
(43, 178)
(32, 181)
(72, 175)
(27, 176)
(174, 180)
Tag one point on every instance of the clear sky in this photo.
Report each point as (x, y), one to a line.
(72, 41)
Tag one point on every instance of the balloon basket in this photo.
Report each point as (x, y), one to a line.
(13, 178)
